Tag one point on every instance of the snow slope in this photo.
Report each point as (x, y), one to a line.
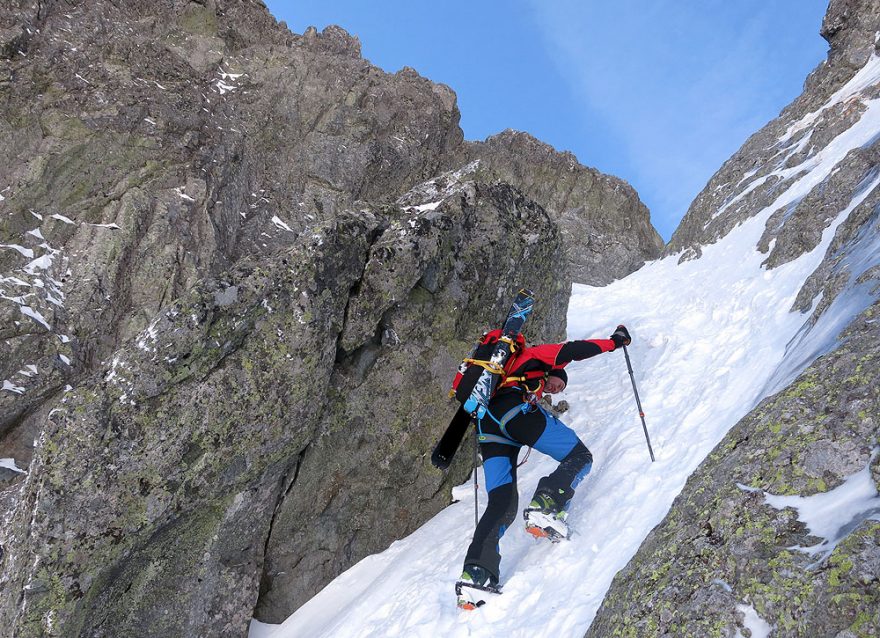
(712, 337)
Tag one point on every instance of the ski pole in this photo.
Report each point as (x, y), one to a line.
(638, 402)
(476, 487)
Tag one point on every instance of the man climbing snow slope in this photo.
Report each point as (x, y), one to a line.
(515, 419)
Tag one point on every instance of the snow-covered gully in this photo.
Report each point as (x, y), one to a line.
(712, 337)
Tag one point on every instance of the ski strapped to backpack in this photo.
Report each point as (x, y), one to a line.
(489, 371)
(479, 360)
(481, 372)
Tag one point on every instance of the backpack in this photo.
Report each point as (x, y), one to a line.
(478, 359)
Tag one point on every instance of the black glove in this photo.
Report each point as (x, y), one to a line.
(621, 337)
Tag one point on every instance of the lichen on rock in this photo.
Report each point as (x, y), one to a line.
(723, 545)
(187, 434)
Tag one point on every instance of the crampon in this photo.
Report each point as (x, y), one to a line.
(546, 525)
(470, 596)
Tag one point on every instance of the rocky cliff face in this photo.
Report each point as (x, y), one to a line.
(605, 226)
(151, 145)
(235, 280)
(732, 556)
(264, 417)
(725, 551)
(368, 471)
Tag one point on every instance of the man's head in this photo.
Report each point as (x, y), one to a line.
(556, 381)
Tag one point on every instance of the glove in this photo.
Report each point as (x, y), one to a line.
(621, 337)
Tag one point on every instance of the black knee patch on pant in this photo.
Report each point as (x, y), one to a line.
(558, 484)
(579, 454)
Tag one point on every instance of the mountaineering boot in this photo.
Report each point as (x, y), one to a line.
(475, 587)
(545, 518)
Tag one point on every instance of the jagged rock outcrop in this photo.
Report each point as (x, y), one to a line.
(729, 557)
(850, 27)
(218, 424)
(605, 226)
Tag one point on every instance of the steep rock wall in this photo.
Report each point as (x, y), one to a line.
(151, 493)
(280, 413)
(388, 404)
(151, 144)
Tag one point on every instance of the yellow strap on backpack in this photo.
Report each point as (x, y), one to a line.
(494, 368)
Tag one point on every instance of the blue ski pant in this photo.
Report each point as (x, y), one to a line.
(542, 431)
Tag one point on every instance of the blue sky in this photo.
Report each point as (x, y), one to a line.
(657, 92)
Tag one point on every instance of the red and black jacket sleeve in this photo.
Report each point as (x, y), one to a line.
(581, 349)
(557, 355)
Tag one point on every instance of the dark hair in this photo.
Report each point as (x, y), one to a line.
(560, 373)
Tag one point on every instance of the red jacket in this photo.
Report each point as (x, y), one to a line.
(529, 367)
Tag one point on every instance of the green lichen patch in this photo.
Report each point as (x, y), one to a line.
(198, 20)
(177, 440)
